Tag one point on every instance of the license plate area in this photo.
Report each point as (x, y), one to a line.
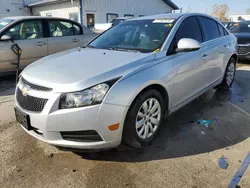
(23, 119)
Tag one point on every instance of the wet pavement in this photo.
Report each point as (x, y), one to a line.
(185, 153)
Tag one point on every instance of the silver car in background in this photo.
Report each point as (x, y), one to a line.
(38, 37)
(122, 85)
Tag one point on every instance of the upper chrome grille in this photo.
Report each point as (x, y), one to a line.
(29, 103)
(35, 87)
(244, 50)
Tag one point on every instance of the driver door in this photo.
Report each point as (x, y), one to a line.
(28, 35)
(187, 80)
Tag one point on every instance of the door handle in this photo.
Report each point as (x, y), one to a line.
(40, 43)
(75, 40)
(204, 56)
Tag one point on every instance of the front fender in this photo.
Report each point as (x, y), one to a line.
(125, 91)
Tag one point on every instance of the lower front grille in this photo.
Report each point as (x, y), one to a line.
(82, 136)
(244, 50)
(37, 131)
(30, 103)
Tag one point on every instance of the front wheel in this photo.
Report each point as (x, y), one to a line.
(229, 75)
(143, 119)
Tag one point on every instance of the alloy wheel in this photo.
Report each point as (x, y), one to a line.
(230, 73)
(148, 118)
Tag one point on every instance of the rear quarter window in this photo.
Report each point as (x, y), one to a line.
(225, 32)
(221, 29)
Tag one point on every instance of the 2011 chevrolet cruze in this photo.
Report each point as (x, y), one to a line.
(123, 83)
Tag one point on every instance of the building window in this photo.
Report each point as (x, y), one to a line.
(74, 16)
(128, 15)
(111, 17)
(49, 14)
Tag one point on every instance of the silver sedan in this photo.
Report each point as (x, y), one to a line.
(122, 85)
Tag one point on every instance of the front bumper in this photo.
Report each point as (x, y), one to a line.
(244, 51)
(52, 121)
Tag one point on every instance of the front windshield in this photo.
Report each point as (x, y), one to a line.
(138, 35)
(4, 22)
(243, 27)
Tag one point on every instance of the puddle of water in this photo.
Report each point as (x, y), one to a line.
(223, 163)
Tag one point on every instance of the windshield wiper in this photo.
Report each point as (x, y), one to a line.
(122, 49)
(89, 46)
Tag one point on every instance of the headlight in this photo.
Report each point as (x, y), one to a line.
(86, 97)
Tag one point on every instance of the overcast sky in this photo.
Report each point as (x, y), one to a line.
(205, 6)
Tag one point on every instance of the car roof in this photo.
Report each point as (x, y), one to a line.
(159, 16)
(16, 18)
(122, 18)
(169, 16)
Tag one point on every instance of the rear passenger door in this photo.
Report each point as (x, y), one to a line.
(63, 35)
(213, 55)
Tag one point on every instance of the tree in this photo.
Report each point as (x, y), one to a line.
(220, 12)
(248, 11)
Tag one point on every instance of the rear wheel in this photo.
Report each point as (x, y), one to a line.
(229, 75)
(143, 119)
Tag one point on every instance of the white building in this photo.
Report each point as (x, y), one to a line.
(12, 8)
(239, 17)
(89, 12)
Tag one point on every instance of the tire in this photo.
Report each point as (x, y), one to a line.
(229, 72)
(145, 120)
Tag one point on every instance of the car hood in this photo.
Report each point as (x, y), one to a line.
(80, 68)
(243, 38)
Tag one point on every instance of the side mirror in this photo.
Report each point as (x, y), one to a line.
(6, 38)
(188, 45)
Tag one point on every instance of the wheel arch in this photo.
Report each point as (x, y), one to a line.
(160, 88)
(235, 56)
(226, 62)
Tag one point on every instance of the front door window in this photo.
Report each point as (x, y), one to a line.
(26, 30)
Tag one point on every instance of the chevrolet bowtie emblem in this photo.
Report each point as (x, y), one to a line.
(25, 90)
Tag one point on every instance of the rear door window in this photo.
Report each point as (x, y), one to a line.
(59, 28)
(210, 27)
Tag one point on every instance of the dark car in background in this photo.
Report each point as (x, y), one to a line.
(229, 25)
(242, 31)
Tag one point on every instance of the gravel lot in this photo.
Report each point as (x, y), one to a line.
(184, 154)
